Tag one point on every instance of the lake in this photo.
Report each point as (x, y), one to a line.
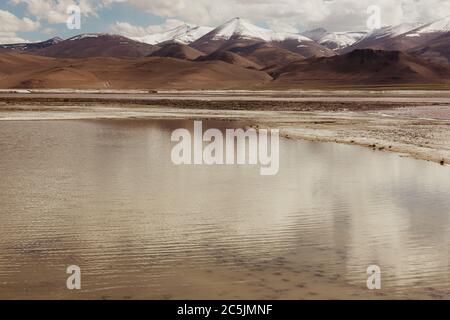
(105, 196)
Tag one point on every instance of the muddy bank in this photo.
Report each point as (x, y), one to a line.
(425, 139)
(260, 105)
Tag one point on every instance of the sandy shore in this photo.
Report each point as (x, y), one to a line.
(415, 124)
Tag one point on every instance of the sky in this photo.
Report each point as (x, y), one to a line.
(36, 20)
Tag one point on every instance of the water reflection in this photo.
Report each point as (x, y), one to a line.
(104, 195)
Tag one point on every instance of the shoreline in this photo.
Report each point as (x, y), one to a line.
(418, 130)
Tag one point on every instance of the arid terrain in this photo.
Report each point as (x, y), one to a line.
(220, 70)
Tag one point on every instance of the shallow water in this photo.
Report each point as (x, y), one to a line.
(104, 195)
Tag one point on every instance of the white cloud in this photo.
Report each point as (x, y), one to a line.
(49, 31)
(168, 24)
(290, 15)
(55, 11)
(280, 15)
(10, 25)
(128, 30)
(10, 38)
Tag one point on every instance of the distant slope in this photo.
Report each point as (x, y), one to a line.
(97, 45)
(437, 50)
(232, 58)
(403, 37)
(164, 72)
(13, 63)
(267, 56)
(27, 71)
(384, 38)
(178, 51)
(362, 67)
(30, 71)
(28, 47)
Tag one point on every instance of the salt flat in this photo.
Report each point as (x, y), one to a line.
(415, 123)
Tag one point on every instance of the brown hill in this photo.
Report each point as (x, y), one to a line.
(178, 51)
(29, 71)
(208, 45)
(14, 63)
(232, 58)
(199, 75)
(437, 50)
(97, 45)
(266, 55)
(26, 71)
(362, 67)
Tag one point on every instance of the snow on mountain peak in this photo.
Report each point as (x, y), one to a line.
(341, 40)
(241, 28)
(393, 31)
(55, 40)
(185, 34)
(316, 34)
(86, 35)
(442, 25)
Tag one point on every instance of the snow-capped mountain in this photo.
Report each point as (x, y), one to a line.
(243, 29)
(240, 32)
(340, 40)
(430, 41)
(315, 34)
(86, 36)
(384, 38)
(97, 45)
(238, 35)
(442, 25)
(403, 37)
(32, 46)
(184, 34)
(392, 31)
(335, 40)
(240, 28)
(439, 26)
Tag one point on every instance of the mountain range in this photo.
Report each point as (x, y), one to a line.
(235, 54)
